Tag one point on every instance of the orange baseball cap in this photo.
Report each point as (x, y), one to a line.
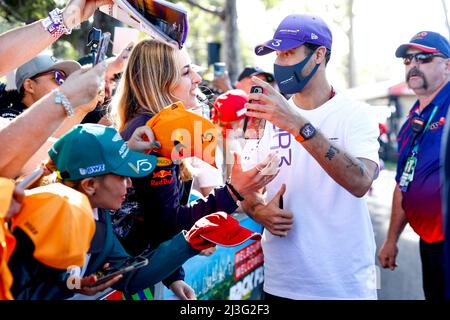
(7, 240)
(59, 221)
(184, 134)
(6, 192)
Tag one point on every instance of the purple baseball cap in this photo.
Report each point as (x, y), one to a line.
(296, 30)
(427, 41)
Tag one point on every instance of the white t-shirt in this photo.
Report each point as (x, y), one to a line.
(330, 251)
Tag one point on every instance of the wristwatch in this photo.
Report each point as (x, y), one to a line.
(306, 132)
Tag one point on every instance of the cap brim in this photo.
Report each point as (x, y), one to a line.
(68, 67)
(233, 237)
(136, 165)
(266, 74)
(401, 51)
(277, 45)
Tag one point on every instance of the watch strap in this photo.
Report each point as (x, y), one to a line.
(301, 136)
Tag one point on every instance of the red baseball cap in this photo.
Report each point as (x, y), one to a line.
(230, 106)
(224, 230)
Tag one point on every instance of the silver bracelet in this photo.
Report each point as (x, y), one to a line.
(60, 98)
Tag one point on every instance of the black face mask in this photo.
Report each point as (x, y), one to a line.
(289, 78)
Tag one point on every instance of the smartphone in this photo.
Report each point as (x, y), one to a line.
(219, 69)
(31, 178)
(254, 127)
(102, 48)
(130, 264)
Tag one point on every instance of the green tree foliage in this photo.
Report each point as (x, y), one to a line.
(215, 21)
(25, 11)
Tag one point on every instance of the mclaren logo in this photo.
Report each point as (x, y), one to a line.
(287, 80)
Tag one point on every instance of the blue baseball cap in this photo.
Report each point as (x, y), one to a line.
(90, 150)
(427, 41)
(296, 30)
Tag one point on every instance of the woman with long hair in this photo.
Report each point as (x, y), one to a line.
(156, 76)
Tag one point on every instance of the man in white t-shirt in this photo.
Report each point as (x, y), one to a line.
(329, 157)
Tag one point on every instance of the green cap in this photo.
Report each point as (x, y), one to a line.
(90, 150)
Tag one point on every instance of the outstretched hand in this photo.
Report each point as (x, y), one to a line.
(90, 287)
(246, 182)
(277, 221)
(77, 11)
(143, 140)
(85, 88)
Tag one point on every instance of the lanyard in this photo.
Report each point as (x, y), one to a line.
(416, 142)
(409, 168)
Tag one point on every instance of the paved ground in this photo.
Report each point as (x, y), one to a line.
(405, 283)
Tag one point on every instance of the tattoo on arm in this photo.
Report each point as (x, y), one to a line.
(331, 153)
(351, 163)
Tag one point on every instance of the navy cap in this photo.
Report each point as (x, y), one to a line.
(296, 30)
(253, 71)
(427, 41)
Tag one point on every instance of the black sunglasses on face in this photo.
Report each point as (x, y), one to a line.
(421, 57)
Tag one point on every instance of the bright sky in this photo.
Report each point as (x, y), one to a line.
(380, 27)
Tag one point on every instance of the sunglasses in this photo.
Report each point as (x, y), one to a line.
(58, 75)
(421, 57)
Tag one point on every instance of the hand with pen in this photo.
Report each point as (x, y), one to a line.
(143, 140)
